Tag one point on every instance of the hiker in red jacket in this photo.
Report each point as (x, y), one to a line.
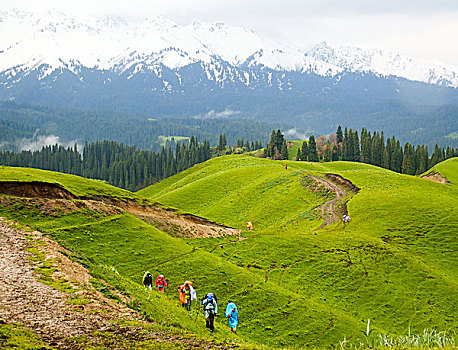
(161, 283)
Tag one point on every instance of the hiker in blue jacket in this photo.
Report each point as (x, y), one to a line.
(232, 315)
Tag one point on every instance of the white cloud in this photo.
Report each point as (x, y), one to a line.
(223, 114)
(294, 134)
(38, 142)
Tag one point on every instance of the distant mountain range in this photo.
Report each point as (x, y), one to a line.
(159, 68)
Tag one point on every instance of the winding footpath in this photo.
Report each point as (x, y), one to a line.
(329, 210)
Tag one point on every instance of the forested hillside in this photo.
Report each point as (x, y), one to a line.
(19, 123)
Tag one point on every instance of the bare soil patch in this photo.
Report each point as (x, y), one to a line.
(329, 210)
(343, 182)
(35, 189)
(61, 201)
(42, 309)
(48, 312)
(333, 210)
(436, 177)
(181, 225)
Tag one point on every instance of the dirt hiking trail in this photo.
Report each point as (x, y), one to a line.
(333, 210)
(49, 313)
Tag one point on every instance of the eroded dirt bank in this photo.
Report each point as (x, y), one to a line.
(35, 189)
(53, 316)
(42, 309)
(333, 210)
(181, 225)
(58, 198)
(436, 177)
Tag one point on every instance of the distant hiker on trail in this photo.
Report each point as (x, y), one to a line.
(286, 166)
(161, 283)
(148, 280)
(210, 310)
(187, 293)
(249, 225)
(345, 218)
(232, 315)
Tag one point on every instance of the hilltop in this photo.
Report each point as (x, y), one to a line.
(298, 278)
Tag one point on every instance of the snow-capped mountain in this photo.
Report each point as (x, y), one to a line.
(355, 59)
(50, 41)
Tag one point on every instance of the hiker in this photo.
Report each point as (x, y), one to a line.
(161, 283)
(232, 315)
(148, 280)
(249, 225)
(210, 310)
(286, 166)
(187, 294)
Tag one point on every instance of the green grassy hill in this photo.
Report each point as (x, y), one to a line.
(77, 185)
(394, 263)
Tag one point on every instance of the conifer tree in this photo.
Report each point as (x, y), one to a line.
(284, 150)
(408, 161)
(313, 153)
(304, 151)
(339, 134)
(356, 149)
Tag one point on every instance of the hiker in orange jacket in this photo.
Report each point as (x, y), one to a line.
(187, 293)
(161, 283)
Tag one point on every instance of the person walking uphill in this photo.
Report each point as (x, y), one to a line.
(210, 310)
(232, 315)
(148, 280)
(187, 294)
(161, 283)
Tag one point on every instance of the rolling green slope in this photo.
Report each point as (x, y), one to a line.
(448, 169)
(295, 284)
(394, 263)
(77, 185)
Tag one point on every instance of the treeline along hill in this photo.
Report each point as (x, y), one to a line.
(131, 168)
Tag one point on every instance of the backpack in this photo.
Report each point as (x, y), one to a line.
(206, 297)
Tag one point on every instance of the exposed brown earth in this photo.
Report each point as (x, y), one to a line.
(50, 313)
(60, 199)
(181, 225)
(35, 189)
(436, 177)
(42, 309)
(332, 210)
(342, 182)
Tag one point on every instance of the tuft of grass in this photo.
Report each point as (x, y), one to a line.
(428, 339)
(14, 336)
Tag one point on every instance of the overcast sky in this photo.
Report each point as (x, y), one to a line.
(420, 28)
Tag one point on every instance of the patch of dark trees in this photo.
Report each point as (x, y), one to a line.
(119, 165)
(371, 148)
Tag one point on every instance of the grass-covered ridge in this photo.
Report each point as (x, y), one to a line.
(394, 263)
(385, 265)
(77, 185)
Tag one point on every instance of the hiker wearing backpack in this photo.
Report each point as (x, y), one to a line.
(148, 280)
(160, 283)
(187, 294)
(210, 310)
(232, 315)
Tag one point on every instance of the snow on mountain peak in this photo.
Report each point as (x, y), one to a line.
(28, 40)
(386, 63)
